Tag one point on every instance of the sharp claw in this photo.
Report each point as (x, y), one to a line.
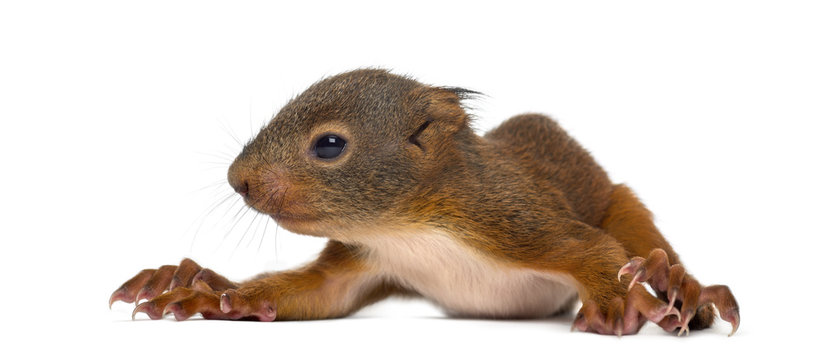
(674, 311)
(687, 317)
(671, 302)
(622, 271)
(175, 309)
(734, 320)
(270, 313)
(198, 276)
(684, 329)
(627, 269)
(175, 283)
(200, 285)
(632, 267)
(141, 295)
(147, 308)
(114, 297)
(668, 311)
(634, 280)
(139, 308)
(225, 303)
(735, 326)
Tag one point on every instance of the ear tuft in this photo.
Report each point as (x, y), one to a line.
(445, 109)
(463, 93)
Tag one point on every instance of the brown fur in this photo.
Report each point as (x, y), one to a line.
(525, 195)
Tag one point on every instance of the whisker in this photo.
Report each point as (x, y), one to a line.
(224, 163)
(254, 234)
(250, 224)
(217, 183)
(229, 149)
(202, 218)
(282, 200)
(234, 218)
(247, 208)
(268, 218)
(221, 191)
(228, 210)
(250, 123)
(279, 210)
(276, 230)
(227, 155)
(230, 133)
(244, 207)
(260, 245)
(223, 167)
(219, 155)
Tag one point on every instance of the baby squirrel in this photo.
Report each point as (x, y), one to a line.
(519, 223)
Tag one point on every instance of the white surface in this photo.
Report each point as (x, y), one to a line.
(112, 116)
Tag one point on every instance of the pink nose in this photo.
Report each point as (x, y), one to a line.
(242, 188)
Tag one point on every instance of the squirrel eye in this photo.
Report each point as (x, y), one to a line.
(329, 146)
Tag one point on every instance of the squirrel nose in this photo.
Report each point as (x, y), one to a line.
(242, 188)
(238, 178)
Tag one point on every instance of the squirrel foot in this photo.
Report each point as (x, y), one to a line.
(623, 317)
(683, 292)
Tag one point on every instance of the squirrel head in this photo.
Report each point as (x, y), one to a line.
(350, 150)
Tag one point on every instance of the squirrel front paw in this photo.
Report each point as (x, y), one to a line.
(187, 289)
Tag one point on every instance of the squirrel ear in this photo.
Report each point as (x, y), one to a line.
(443, 108)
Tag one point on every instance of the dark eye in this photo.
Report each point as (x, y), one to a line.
(329, 146)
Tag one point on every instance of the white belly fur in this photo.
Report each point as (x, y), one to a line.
(463, 281)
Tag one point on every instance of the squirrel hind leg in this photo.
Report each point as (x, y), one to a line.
(654, 261)
(629, 221)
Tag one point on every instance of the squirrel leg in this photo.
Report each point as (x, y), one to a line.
(593, 259)
(654, 261)
(334, 285)
(629, 222)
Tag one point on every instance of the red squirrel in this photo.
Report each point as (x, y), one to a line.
(519, 223)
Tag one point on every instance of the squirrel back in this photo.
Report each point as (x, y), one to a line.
(546, 151)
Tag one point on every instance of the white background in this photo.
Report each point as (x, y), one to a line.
(117, 123)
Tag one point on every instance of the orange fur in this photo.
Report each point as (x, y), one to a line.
(523, 203)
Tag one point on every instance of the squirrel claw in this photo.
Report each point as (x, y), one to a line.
(630, 268)
(149, 308)
(119, 294)
(225, 302)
